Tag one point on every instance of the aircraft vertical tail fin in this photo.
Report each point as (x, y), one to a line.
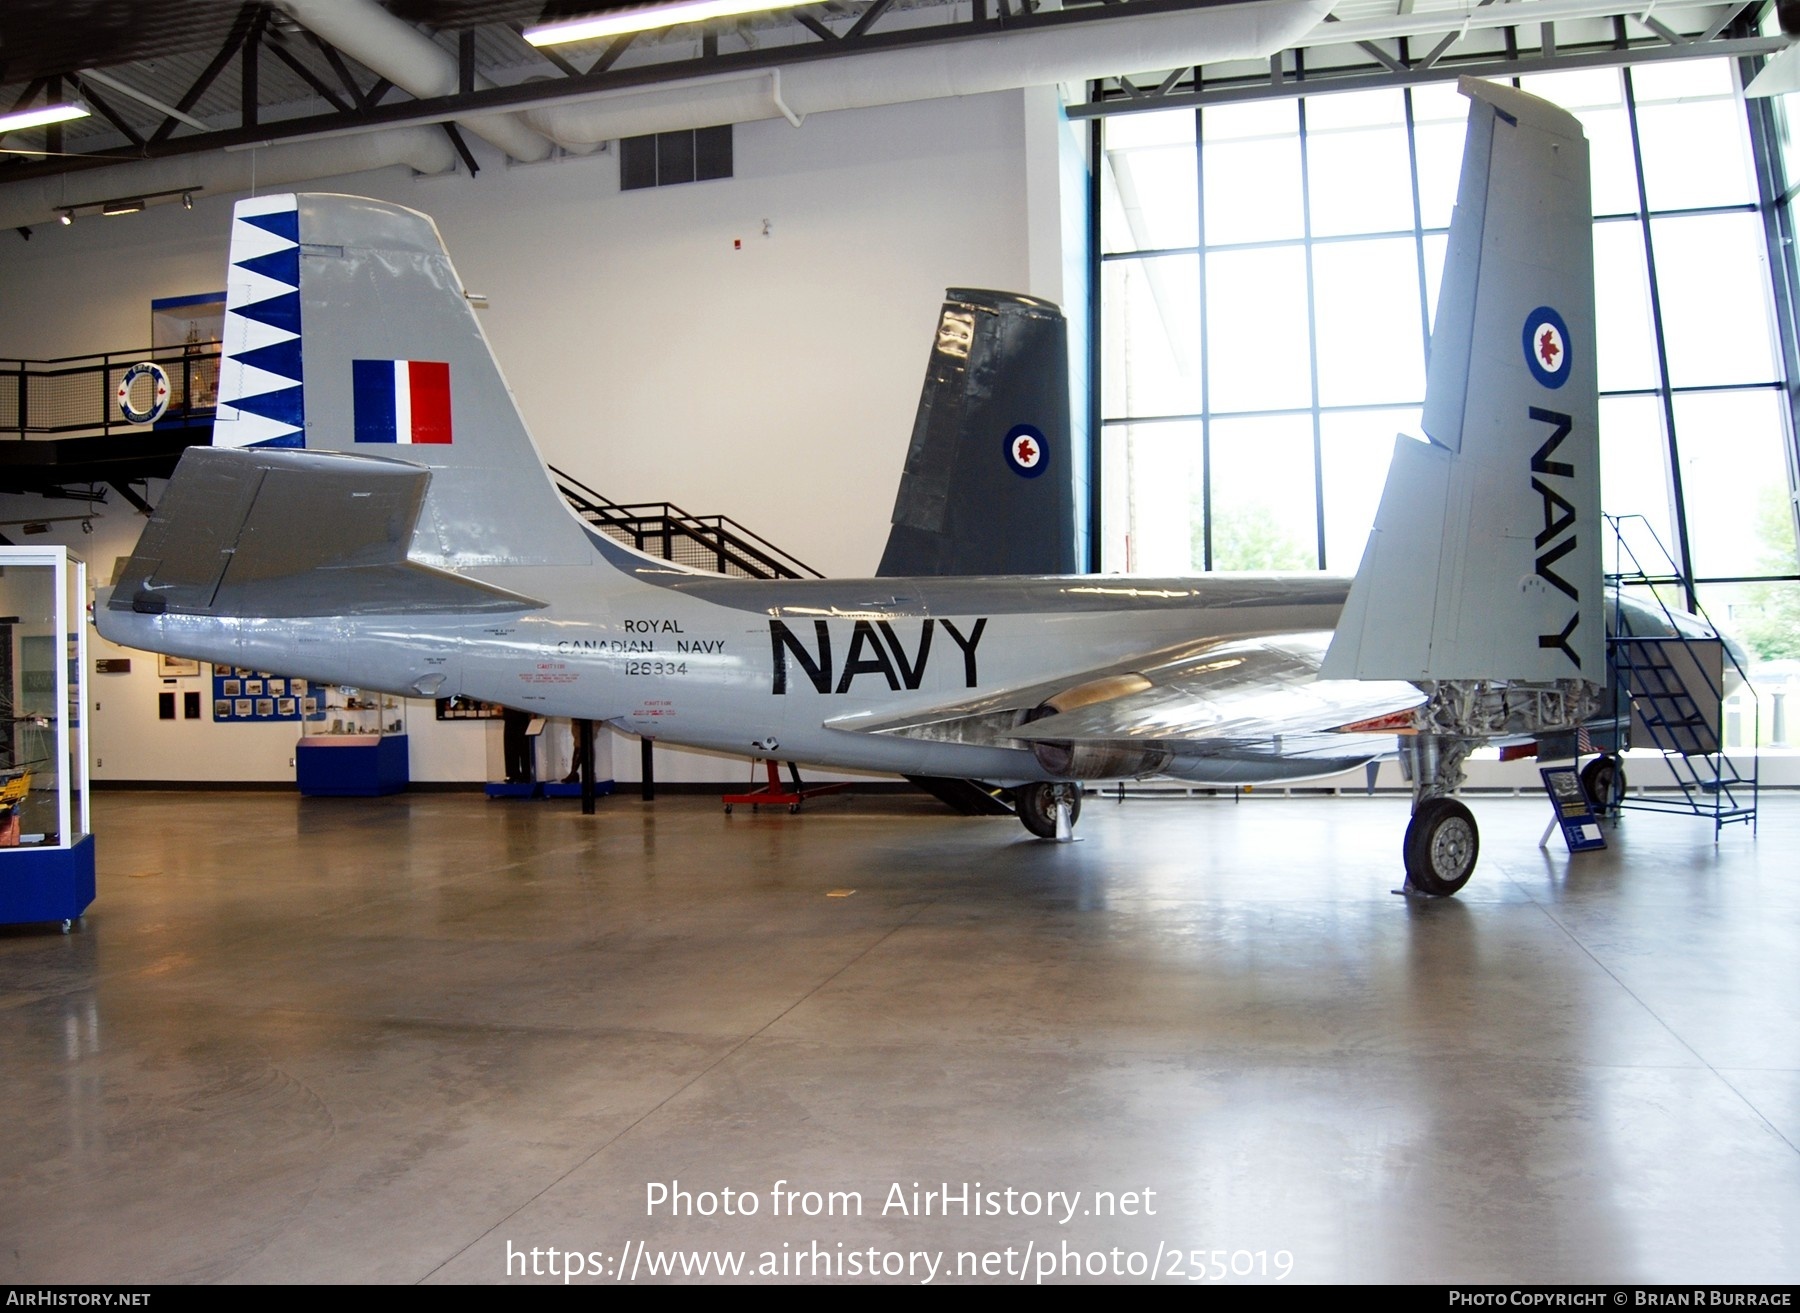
(989, 484)
(1484, 561)
(347, 329)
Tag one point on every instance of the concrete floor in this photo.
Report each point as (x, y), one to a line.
(384, 1040)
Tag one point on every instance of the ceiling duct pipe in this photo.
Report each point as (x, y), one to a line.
(412, 61)
(423, 149)
(1002, 62)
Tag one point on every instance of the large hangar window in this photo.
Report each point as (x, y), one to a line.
(1269, 273)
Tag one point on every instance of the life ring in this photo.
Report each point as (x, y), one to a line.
(159, 401)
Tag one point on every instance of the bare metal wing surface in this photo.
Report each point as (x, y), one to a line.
(378, 515)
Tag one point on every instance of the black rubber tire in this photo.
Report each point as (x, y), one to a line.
(1603, 780)
(1036, 804)
(1442, 843)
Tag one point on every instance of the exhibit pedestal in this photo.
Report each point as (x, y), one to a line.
(547, 789)
(572, 789)
(46, 884)
(351, 765)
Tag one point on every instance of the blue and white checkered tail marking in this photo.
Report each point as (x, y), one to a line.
(261, 399)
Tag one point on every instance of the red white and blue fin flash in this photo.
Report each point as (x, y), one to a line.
(402, 401)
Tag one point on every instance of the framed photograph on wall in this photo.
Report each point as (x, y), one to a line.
(176, 667)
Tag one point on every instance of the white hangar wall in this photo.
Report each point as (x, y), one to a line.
(660, 344)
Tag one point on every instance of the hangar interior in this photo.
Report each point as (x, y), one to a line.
(399, 1039)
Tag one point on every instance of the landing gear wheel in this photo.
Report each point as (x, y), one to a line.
(1603, 780)
(1037, 806)
(1441, 847)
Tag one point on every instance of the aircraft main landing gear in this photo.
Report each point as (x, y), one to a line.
(1441, 846)
(1039, 805)
(1442, 840)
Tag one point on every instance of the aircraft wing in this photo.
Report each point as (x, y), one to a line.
(1258, 695)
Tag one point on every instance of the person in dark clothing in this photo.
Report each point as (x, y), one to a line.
(520, 769)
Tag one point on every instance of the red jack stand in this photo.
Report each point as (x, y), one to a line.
(773, 795)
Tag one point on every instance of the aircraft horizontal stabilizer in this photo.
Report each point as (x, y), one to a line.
(284, 533)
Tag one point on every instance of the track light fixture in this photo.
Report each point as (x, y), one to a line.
(127, 204)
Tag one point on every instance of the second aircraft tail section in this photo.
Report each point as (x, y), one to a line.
(989, 485)
(1484, 561)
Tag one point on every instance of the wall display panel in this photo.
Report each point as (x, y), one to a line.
(1251, 161)
(242, 695)
(1366, 312)
(1150, 179)
(1151, 359)
(468, 708)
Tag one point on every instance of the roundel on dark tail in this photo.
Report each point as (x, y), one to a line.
(1025, 451)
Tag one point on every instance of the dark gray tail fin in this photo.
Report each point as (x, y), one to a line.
(989, 485)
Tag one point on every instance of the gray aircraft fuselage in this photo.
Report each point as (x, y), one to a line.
(737, 665)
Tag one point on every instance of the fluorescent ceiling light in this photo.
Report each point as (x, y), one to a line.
(37, 118)
(649, 18)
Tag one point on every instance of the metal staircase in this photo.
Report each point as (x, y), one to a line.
(706, 542)
(1675, 685)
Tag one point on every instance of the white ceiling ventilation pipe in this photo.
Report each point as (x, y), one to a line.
(1517, 13)
(424, 149)
(413, 62)
(967, 67)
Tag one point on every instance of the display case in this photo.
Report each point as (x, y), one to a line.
(353, 745)
(46, 848)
